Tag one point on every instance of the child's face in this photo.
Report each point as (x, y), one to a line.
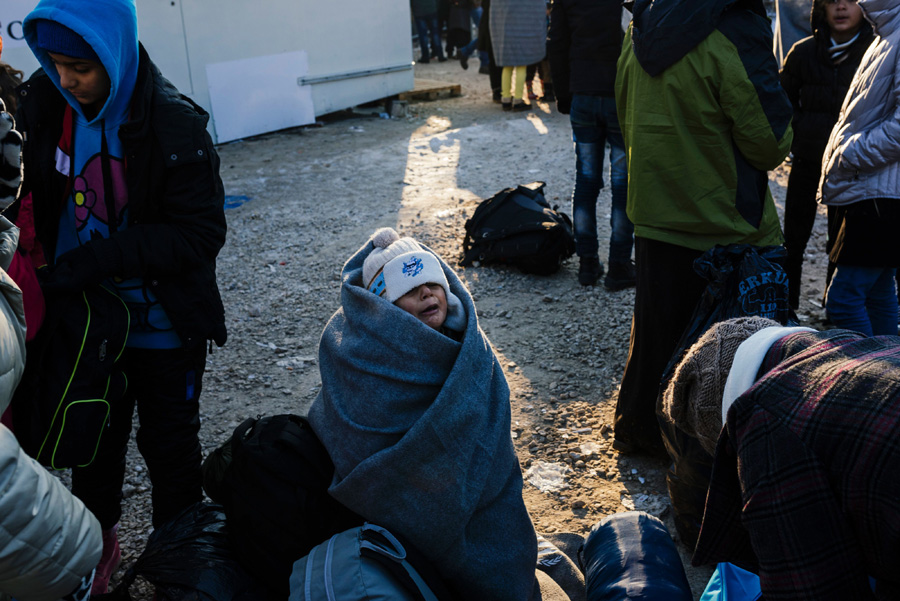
(427, 303)
(844, 18)
(85, 79)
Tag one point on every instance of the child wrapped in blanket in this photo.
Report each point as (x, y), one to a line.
(399, 270)
(414, 411)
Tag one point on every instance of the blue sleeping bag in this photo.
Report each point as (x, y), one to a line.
(632, 556)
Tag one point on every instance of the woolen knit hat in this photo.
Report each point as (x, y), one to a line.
(397, 265)
(693, 398)
(59, 39)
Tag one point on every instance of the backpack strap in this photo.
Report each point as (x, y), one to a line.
(385, 548)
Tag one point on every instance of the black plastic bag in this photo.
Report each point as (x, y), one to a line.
(743, 280)
(190, 559)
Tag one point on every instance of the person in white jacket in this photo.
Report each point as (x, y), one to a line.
(49, 541)
(861, 179)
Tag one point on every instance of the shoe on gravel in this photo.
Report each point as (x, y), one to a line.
(621, 275)
(589, 271)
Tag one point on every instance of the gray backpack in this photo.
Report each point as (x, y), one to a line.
(362, 564)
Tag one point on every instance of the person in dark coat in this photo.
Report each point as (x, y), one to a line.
(816, 76)
(124, 181)
(583, 46)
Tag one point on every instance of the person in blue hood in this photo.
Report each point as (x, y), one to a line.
(124, 183)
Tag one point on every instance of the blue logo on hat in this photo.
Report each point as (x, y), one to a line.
(413, 267)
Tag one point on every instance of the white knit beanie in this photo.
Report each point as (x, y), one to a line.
(397, 265)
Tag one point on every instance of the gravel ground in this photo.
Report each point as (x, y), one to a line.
(305, 199)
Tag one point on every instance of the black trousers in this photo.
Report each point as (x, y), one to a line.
(165, 385)
(666, 294)
(799, 217)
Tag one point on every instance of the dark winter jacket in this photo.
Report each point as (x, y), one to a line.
(176, 219)
(816, 86)
(583, 46)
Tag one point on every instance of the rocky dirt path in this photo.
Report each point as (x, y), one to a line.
(303, 200)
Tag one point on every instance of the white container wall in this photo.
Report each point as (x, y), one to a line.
(264, 65)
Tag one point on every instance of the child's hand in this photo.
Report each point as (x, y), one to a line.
(10, 158)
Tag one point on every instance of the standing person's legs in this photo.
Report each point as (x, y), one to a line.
(519, 73)
(436, 49)
(847, 297)
(666, 294)
(799, 217)
(422, 29)
(168, 384)
(506, 87)
(881, 304)
(621, 273)
(590, 141)
(495, 75)
(99, 485)
(530, 72)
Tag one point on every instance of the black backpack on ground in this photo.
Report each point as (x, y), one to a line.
(72, 377)
(519, 227)
(274, 488)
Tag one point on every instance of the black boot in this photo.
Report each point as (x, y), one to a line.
(620, 276)
(589, 271)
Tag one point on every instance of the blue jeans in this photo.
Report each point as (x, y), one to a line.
(863, 299)
(427, 27)
(469, 48)
(594, 123)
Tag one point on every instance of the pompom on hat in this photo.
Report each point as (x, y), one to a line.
(693, 398)
(397, 265)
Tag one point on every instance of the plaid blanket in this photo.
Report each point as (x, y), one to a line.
(805, 485)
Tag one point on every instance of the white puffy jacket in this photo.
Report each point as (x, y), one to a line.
(862, 159)
(48, 540)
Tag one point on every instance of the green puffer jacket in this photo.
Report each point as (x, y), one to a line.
(704, 117)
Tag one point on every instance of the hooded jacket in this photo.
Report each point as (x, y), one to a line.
(862, 158)
(704, 117)
(49, 541)
(817, 86)
(175, 199)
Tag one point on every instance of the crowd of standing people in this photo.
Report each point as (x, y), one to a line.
(109, 178)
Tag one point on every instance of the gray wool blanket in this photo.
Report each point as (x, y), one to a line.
(418, 427)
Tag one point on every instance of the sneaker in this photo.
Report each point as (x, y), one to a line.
(442, 59)
(620, 276)
(109, 561)
(589, 271)
(520, 106)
